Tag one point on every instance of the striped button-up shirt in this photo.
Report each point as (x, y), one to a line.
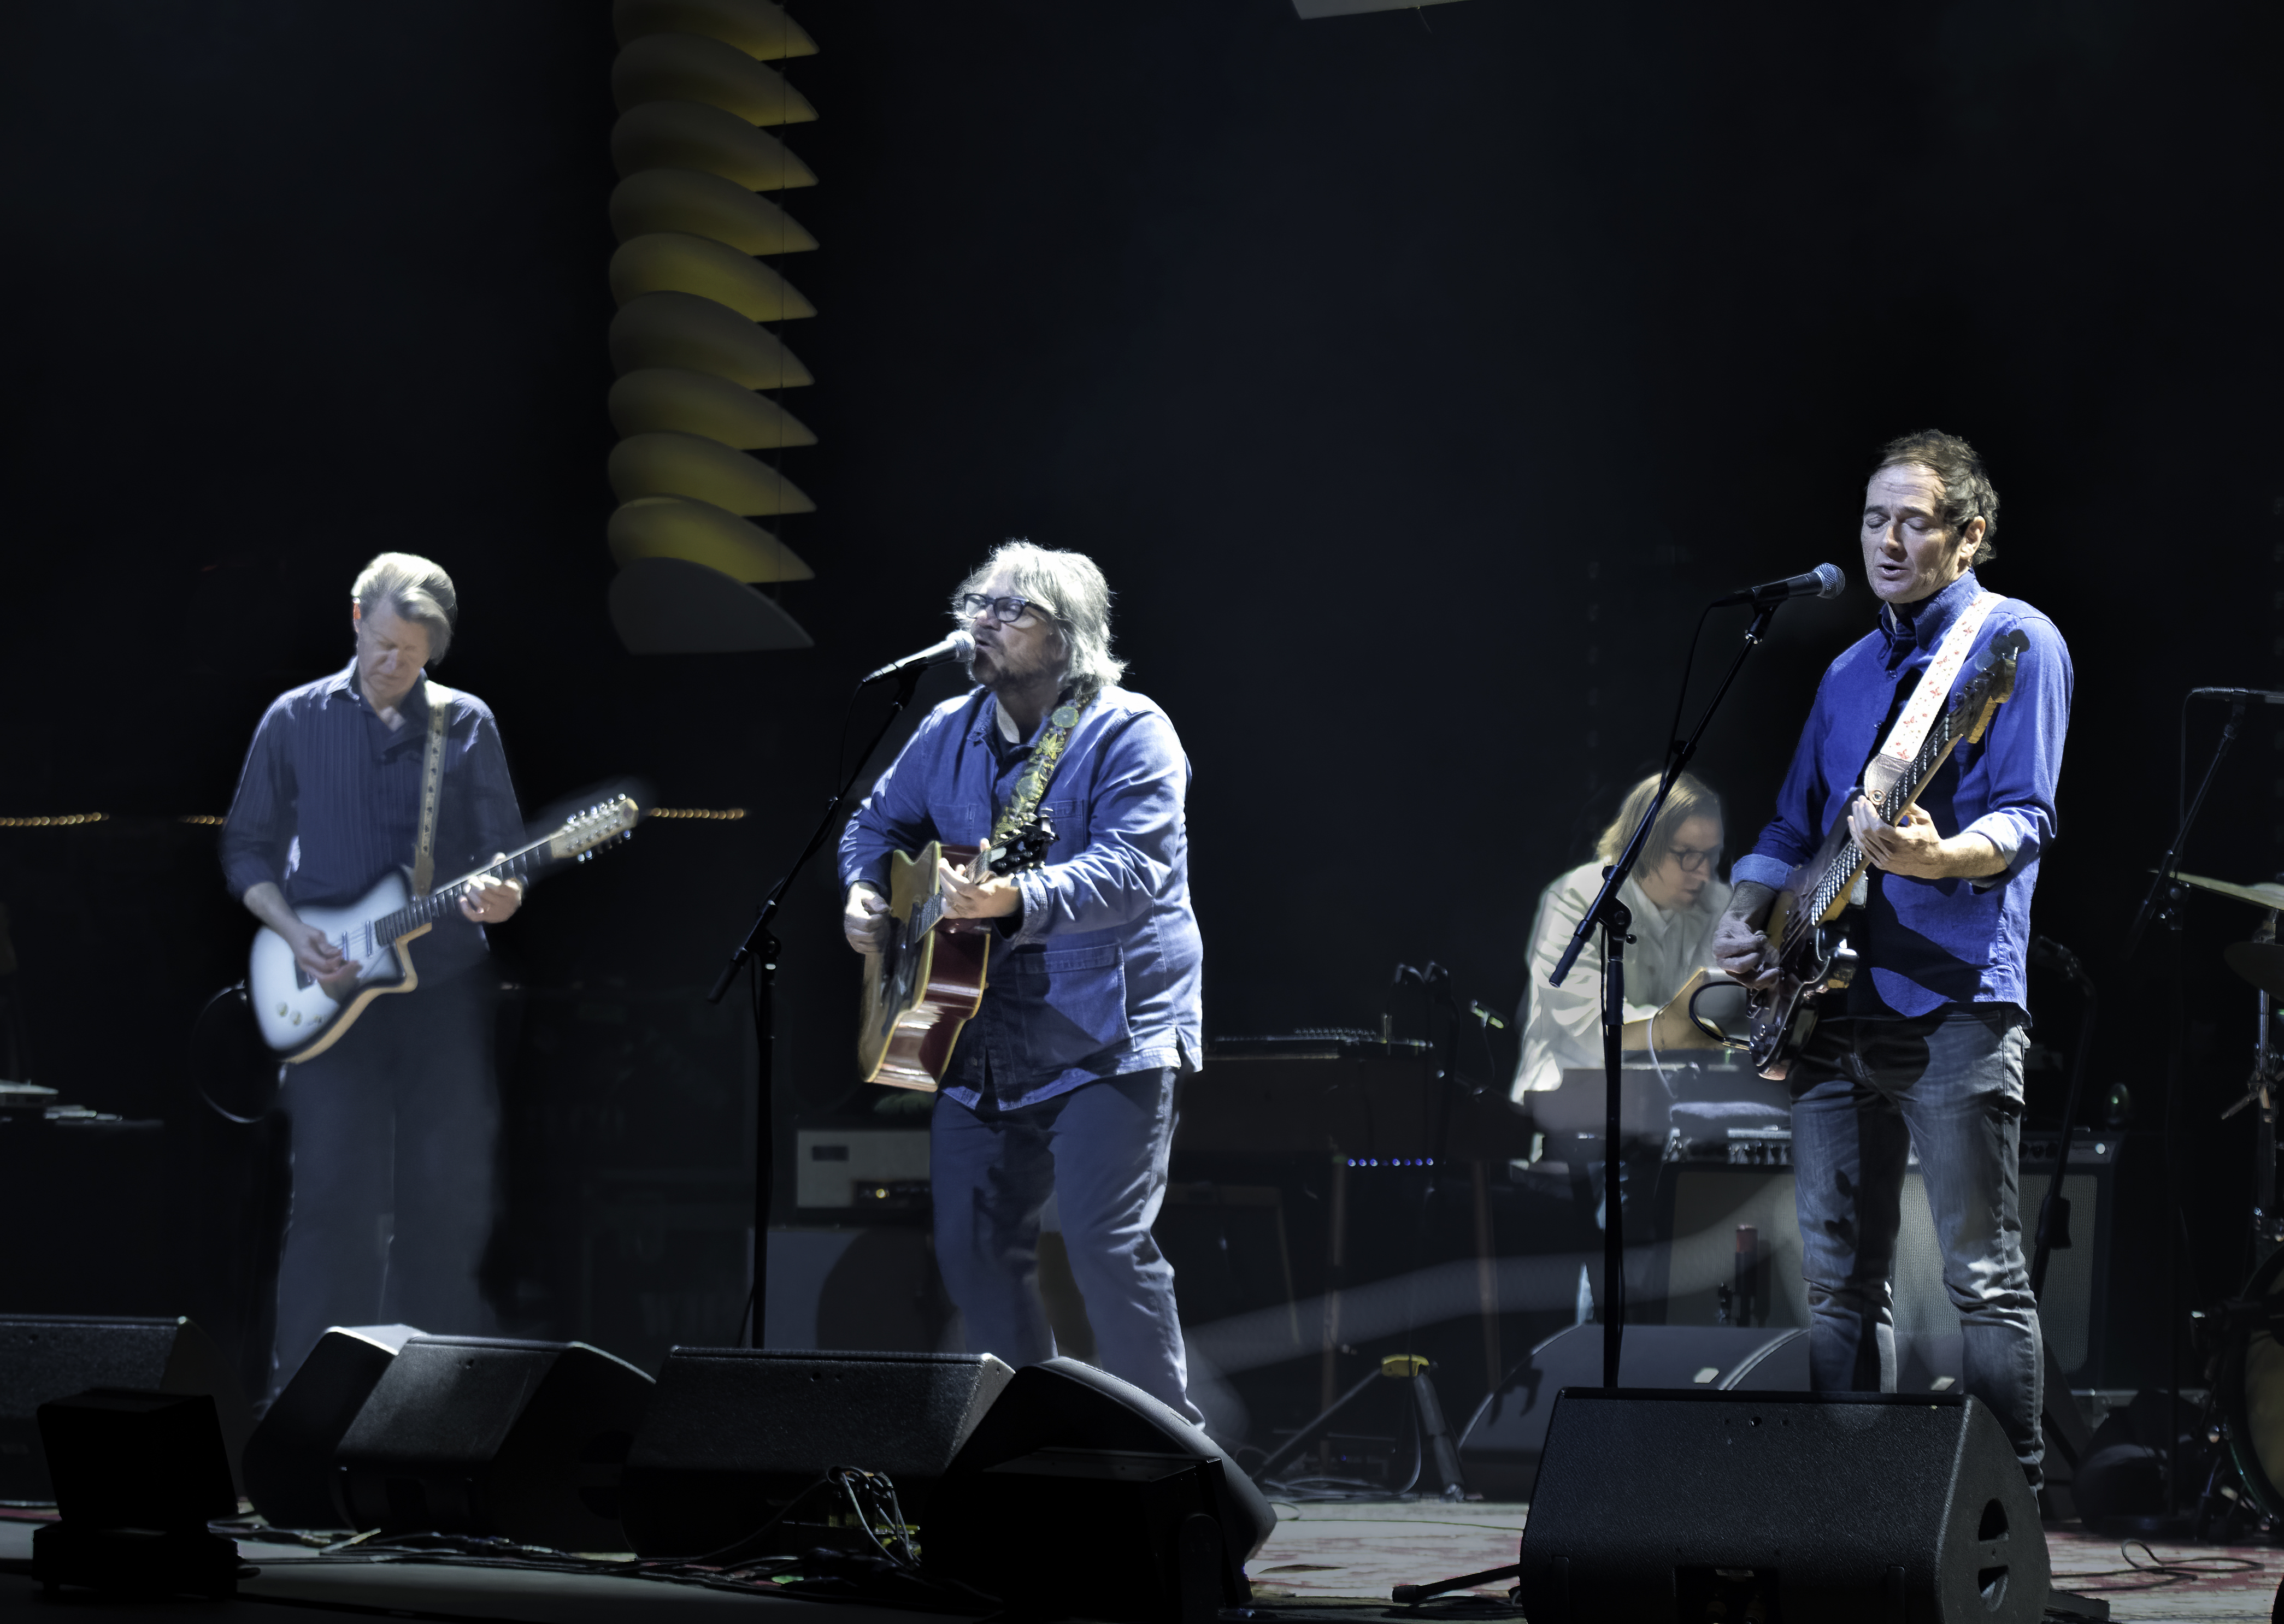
(328, 802)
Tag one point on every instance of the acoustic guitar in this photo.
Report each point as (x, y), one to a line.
(1815, 906)
(928, 982)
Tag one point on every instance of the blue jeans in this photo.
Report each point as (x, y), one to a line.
(1102, 1147)
(1863, 1093)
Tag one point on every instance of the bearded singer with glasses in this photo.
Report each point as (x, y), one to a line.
(1062, 1086)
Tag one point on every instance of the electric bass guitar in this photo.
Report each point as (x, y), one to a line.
(301, 1017)
(1809, 918)
(928, 982)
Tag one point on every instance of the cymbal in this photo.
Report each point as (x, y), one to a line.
(2266, 893)
(2260, 963)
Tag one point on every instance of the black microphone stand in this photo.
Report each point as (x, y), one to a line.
(761, 941)
(1614, 920)
(2166, 888)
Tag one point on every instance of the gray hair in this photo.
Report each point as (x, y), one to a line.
(1069, 590)
(1968, 493)
(415, 589)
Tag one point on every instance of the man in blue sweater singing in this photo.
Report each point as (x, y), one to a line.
(1925, 1048)
(1062, 1086)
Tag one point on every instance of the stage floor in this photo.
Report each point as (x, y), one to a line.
(1342, 1557)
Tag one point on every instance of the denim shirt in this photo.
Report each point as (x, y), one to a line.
(1100, 975)
(1926, 943)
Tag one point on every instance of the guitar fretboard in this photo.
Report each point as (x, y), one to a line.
(1850, 859)
(428, 909)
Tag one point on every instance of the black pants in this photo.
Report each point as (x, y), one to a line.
(393, 1131)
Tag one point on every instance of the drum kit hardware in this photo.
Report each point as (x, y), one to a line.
(2245, 1335)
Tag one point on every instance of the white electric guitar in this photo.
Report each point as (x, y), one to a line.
(301, 1016)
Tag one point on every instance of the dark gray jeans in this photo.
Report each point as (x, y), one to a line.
(1863, 1093)
(393, 1134)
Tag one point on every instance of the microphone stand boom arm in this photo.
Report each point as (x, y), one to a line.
(761, 943)
(1614, 920)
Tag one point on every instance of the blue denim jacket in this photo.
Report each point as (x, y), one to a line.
(1102, 975)
(1932, 942)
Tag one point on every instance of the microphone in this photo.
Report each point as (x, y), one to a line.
(2046, 951)
(2242, 696)
(1825, 580)
(958, 646)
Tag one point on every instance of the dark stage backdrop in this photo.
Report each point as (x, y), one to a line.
(1413, 375)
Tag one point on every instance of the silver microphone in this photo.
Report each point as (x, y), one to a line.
(958, 646)
(1825, 580)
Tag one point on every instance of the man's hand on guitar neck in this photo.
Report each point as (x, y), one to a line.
(320, 960)
(1913, 849)
(1741, 946)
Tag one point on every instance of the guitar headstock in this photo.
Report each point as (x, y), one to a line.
(1992, 683)
(1027, 847)
(582, 833)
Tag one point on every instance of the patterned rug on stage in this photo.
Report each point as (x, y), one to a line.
(1360, 1552)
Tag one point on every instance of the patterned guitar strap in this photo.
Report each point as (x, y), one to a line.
(1039, 771)
(432, 786)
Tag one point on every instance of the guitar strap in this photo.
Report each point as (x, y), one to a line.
(1935, 683)
(432, 786)
(1039, 771)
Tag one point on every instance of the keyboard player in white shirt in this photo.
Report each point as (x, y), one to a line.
(1676, 897)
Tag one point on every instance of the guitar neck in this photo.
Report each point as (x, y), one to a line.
(441, 902)
(1846, 859)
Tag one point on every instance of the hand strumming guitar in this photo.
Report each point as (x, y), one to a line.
(319, 958)
(1741, 946)
(991, 896)
(865, 918)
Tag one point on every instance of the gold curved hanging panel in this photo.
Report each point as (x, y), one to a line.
(691, 343)
(697, 335)
(760, 29)
(666, 398)
(704, 205)
(675, 465)
(673, 607)
(680, 135)
(690, 67)
(675, 262)
(684, 527)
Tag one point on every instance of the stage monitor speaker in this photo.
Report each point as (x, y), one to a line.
(734, 1433)
(137, 1477)
(52, 1356)
(483, 1436)
(1867, 1509)
(289, 1460)
(1062, 1404)
(1501, 1446)
(1116, 1534)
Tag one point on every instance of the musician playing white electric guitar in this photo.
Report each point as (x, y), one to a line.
(1924, 1045)
(392, 1124)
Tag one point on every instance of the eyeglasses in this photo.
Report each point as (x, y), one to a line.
(1007, 611)
(1693, 856)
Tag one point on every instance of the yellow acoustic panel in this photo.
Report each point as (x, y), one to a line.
(675, 263)
(678, 527)
(672, 464)
(680, 135)
(755, 27)
(697, 335)
(673, 607)
(657, 398)
(686, 68)
(704, 205)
